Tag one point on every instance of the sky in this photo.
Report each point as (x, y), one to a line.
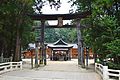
(64, 9)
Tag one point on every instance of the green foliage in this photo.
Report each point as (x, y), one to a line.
(38, 5)
(68, 35)
(104, 28)
(113, 49)
(112, 65)
(13, 18)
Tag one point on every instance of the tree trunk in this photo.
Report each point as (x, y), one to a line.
(17, 51)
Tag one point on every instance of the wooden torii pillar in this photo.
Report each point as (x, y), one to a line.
(79, 16)
(42, 40)
(80, 44)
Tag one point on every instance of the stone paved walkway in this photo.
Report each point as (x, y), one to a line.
(54, 70)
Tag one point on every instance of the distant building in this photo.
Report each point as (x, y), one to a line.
(58, 50)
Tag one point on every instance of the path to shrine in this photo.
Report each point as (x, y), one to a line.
(54, 70)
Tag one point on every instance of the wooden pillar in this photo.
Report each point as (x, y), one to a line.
(53, 58)
(80, 45)
(36, 55)
(31, 51)
(52, 54)
(1, 58)
(87, 56)
(82, 54)
(40, 52)
(40, 58)
(42, 40)
(45, 61)
(69, 54)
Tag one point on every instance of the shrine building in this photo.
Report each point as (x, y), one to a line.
(58, 51)
(61, 50)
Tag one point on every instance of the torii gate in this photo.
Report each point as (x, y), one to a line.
(77, 16)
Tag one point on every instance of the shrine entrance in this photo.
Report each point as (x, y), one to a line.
(60, 51)
(60, 17)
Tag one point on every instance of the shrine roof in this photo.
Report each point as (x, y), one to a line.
(60, 42)
(60, 46)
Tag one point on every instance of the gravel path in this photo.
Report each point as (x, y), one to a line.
(54, 70)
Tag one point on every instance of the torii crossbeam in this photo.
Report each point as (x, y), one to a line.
(64, 16)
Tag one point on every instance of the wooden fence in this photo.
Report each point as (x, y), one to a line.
(10, 66)
(107, 74)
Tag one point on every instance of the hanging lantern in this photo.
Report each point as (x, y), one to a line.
(60, 21)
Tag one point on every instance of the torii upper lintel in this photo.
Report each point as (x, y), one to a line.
(56, 16)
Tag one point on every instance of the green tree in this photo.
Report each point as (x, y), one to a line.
(103, 24)
(68, 35)
(113, 49)
(14, 22)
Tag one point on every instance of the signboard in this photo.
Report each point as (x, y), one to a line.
(60, 21)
